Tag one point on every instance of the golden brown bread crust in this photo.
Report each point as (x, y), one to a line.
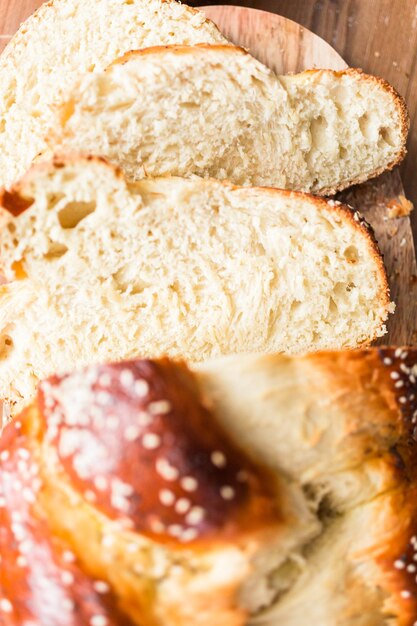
(392, 374)
(151, 447)
(127, 450)
(41, 581)
(367, 400)
(357, 411)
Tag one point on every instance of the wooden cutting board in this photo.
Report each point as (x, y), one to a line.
(285, 47)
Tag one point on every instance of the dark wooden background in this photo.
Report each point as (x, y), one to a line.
(380, 36)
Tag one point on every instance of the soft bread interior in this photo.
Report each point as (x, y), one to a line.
(213, 110)
(102, 269)
(67, 38)
(304, 418)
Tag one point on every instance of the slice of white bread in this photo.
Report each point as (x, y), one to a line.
(215, 111)
(66, 38)
(103, 269)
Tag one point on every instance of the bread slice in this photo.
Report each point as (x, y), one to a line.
(66, 38)
(247, 491)
(102, 269)
(215, 111)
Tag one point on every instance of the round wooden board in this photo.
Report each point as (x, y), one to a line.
(285, 46)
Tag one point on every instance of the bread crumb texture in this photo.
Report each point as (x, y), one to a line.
(215, 111)
(66, 38)
(101, 269)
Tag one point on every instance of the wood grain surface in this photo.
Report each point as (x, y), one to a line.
(377, 35)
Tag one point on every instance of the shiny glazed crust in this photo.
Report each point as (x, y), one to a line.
(80, 468)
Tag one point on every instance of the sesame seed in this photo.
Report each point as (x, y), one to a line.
(227, 492)
(23, 453)
(101, 587)
(99, 620)
(67, 578)
(195, 516)
(132, 432)
(399, 564)
(404, 355)
(112, 422)
(188, 483)
(100, 483)
(411, 568)
(18, 531)
(68, 604)
(90, 496)
(120, 503)
(166, 470)
(6, 606)
(28, 495)
(397, 353)
(387, 361)
(182, 505)
(21, 561)
(104, 380)
(126, 378)
(157, 526)
(166, 497)
(394, 375)
(141, 388)
(218, 458)
(4, 455)
(405, 594)
(25, 547)
(402, 400)
(151, 441)
(103, 397)
(175, 530)
(189, 534)
(144, 419)
(68, 556)
(399, 384)
(159, 407)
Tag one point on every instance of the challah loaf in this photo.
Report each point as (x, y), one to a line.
(66, 38)
(103, 269)
(133, 494)
(213, 110)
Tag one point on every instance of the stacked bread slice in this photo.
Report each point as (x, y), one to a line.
(214, 110)
(101, 269)
(101, 265)
(65, 39)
